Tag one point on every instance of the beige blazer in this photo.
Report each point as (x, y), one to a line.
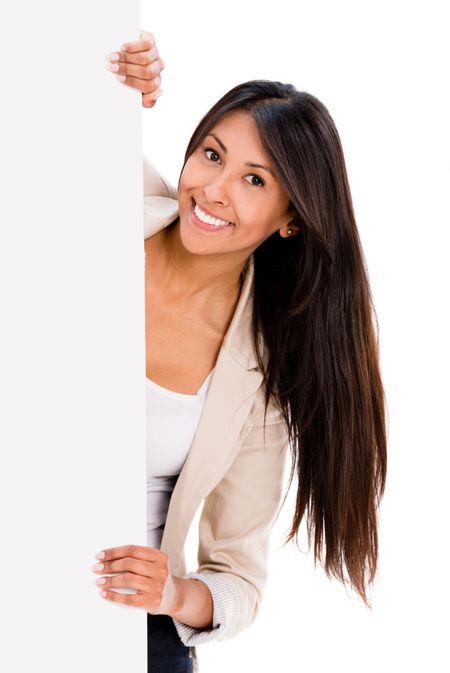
(230, 466)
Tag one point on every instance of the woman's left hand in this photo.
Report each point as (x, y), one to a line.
(145, 569)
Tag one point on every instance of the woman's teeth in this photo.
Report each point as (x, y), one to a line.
(208, 219)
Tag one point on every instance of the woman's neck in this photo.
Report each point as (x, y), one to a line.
(189, 276)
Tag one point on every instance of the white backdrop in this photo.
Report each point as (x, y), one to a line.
(72, 323)
(382, 70)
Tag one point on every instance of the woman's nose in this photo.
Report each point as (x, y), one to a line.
(217, 191)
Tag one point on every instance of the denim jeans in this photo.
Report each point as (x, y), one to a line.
(165, 651)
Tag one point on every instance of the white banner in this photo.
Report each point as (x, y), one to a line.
(72, 351)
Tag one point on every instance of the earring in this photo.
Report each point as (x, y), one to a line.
(289, 231)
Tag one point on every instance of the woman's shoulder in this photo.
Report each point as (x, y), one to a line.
(256, 414)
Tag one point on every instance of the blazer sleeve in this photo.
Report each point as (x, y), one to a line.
(155, 184)
(234, 532)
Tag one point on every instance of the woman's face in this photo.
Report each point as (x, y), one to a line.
(218, 178)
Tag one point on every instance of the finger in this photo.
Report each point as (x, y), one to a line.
(148, 102)
(128, 564)
(130, 550)
(146, 41)
(145, 72)
(133, 600)
(138, 58)
(149, 99)
(147, 35)
(143, 85)
(125, 581)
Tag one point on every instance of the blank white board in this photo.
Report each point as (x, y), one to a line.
(72, 340)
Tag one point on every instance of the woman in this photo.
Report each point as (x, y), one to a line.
(260, 336)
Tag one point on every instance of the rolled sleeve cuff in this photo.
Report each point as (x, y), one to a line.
(225, 598)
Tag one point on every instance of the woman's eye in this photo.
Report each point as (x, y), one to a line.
(260, 183)
(209, 149)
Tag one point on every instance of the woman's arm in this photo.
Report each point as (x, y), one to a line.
(234, 528)
(195, 606)
(139, 65)
(155, 184)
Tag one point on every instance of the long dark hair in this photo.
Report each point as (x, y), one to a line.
(314, 311)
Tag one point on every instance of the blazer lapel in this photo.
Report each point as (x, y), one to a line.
(227, 404)
(233, 385)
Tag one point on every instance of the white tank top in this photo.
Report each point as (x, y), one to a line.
(171, 423)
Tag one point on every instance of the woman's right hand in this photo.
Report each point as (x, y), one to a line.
(140, 65)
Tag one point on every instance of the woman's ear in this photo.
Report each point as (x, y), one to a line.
(289, 230)
(292, 227)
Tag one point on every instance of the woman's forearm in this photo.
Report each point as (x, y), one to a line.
(195, 605)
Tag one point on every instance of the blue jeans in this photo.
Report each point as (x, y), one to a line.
(165, 651)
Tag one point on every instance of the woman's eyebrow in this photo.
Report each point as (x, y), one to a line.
(266, 168)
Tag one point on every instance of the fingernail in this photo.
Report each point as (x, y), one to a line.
(113, 67)
(99, 566)
(124, 47)
(101, 554)
(122, 78)
(114, 56)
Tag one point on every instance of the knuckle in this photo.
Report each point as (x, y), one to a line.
(142, 58)
(151, 55)
(148, 43)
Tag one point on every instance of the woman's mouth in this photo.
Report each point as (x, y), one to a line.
(204, 221)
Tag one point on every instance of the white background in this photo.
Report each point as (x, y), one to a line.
(381, 68)
(72, 323)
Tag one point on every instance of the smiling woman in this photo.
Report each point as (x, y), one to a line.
(217, 179)
(259, 338)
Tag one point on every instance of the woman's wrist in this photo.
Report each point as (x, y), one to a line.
(194, 604)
